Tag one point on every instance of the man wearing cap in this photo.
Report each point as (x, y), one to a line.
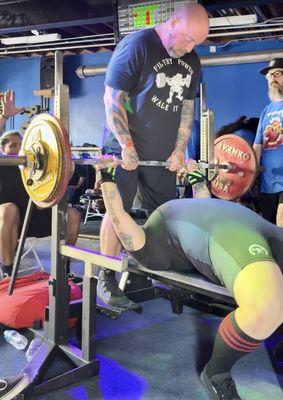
(268, 145)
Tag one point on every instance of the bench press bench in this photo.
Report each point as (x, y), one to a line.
(191, 289)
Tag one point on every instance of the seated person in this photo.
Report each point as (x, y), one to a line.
(13, 204)
(244, 127)
(227, 243)
(76, 184)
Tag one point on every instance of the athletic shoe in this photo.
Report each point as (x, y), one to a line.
(220, 386)
(108, 290)
(12, 386)
(73, 278)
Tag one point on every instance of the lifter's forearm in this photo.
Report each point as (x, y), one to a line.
(116, 114)
(200, 191)
(128, 231)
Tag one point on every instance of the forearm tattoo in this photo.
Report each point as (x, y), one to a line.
(184, 131)
(110, 200)
(127, 241)
(200, 187)
(116, 114)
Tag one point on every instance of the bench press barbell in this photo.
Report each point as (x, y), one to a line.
(46, 163)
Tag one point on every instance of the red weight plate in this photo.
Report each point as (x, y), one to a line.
(234, 151)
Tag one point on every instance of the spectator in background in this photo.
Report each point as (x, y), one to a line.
(13, 204)
(77, 184)
(268, 145)
(244, 127)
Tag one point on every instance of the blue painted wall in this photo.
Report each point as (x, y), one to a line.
(86, 106)
(22, 76)
(231, 91)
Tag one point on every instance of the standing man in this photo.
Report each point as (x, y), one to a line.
(150, 87)
(268, 145)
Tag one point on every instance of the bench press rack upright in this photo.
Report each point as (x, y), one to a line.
(55, 334)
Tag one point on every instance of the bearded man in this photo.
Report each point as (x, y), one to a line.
(268, 145)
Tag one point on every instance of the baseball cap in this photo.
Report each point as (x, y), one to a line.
(275, 63)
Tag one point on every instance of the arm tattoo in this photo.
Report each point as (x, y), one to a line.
(125, 238)
(116, 114)
(127, 241)
(110, 198)
(184, 131)
(199, 187)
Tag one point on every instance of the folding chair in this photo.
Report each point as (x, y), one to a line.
(30, 248)
(92, 208)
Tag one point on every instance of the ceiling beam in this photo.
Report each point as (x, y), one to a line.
(213, 5)
(58, 24)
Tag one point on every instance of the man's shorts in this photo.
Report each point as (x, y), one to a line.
(269, 203)
(155, 185)
(40, 223)
(233, 248)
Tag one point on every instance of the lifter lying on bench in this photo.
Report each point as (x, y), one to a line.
(224, 241)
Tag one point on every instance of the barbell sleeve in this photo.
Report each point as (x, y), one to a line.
(13, 161)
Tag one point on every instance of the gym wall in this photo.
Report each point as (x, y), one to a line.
(231, 90)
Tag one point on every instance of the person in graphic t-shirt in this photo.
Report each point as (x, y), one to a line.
(150, 89)
(268, 145)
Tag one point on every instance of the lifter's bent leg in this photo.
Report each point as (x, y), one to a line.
(258, 290)
(9, 229)
(259, 314)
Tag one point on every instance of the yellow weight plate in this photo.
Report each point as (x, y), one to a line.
(50, 183)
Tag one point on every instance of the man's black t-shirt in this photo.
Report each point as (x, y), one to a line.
(79, 172)
(157, 85)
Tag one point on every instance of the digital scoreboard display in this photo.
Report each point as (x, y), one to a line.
(140, 14)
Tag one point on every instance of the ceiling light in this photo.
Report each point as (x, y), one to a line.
(31, 39)
(233, 20)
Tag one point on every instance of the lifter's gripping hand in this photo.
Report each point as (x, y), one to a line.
(105, 169)
(195, 177)
(176, 160)
(130, 157)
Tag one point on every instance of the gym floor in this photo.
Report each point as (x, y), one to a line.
(155, 355)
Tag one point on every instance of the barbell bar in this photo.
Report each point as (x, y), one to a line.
(46, 162)
(22, 161)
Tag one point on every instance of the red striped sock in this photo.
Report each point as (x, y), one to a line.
(231, 343)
